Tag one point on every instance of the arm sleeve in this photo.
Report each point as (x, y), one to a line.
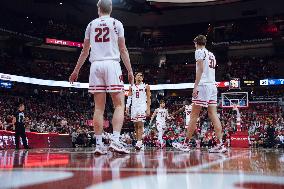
(88, 31)
(199, 55)
(120, 29)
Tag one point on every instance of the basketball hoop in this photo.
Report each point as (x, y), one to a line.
(234, 100)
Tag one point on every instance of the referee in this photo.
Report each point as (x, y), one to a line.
(19, 120)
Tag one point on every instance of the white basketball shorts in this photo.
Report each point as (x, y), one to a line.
(138, 113)
(207, 95)
(105, 76)
(160, 126)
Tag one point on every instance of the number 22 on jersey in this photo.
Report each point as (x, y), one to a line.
(102, 35)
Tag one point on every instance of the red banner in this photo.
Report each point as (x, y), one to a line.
(63, 43)
(223, 84)
(36, 140)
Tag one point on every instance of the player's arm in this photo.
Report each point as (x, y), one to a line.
(153, 116)
(129, 100)
(148, 93)
(199, 71)
(124, 53)
(177, 112)
(83, 56)
(168, 116)
(199, 57)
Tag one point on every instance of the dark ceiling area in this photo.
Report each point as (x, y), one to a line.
(134, 6)
(138, 13)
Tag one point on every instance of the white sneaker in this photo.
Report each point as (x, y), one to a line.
(175, 144)
(100, 150)
(118, 147)
(139, 146)
(218, 149)
(181, 147)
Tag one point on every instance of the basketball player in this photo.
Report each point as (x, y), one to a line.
(205, 92)
(105, 37)
(187, 110)
(139, 98)
(162, 114)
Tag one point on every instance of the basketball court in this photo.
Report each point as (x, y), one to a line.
(79, 168)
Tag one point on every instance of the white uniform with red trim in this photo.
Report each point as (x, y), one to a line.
(162, 114)
(139, 103)
(105, 71)
(187, 110)
(207, 90)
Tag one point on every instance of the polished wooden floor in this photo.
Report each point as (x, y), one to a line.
(154, 168)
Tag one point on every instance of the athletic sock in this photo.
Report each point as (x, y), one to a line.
(116, 136)
(99, 140)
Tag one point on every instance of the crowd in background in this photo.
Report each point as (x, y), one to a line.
(176, 68)
(68, 114)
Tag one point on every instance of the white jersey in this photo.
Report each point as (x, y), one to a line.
(187, 111)
(162, 114)
(209, 64)
(139, 95)
(103, 33)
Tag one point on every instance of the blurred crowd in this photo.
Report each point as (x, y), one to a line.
(176, 68)
(263, 67)
(46, 112)
(68, 114)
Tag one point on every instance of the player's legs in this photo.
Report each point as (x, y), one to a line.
(194, 115)
(98, 118)
(160, 130)
(139, 126)
(118, 115)
(160, 135)
(137, 115)
(117, 122)
(24, 139)
(136, 129)
(17, 139)
(139, 134)
(212, 113)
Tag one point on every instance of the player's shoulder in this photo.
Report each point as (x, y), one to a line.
(116, 22)
(211, 54)
(92, 22)
(199, 51)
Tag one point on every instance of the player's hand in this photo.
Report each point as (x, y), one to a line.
(127, 111)
(195, 93)
(131, 78)
(73, 77)
(148, 112)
